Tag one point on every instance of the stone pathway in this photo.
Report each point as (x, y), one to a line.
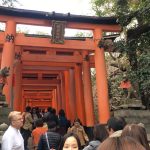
(30, 145)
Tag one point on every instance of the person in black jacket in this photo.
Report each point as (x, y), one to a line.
(63, 123)
(51, 139)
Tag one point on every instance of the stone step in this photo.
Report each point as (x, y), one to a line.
(3, 102)
(144, 120)
(132, 106)
(4, 111)
(147, 127)
(133, 113)
(135, 116)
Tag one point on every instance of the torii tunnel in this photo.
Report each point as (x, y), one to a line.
(45, 73)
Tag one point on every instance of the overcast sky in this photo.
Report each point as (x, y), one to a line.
(80, 7)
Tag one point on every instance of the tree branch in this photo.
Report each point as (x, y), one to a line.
(137, 32)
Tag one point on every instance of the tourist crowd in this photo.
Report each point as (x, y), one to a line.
(55, 132)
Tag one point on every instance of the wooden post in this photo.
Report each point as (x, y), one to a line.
(54, 101)
(23, 103)
(88, 98)
(101, 79)
(68, 113)
(59, 103)
(63, 90)
(72, 96)
(17, 82)
(79, 94)
(8, 58)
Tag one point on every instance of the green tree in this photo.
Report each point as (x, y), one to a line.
(134, 18)
(103, 7)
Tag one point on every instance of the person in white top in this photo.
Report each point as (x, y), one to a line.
(12, 138)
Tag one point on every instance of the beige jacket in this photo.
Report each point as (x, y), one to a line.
(81, 134)
(28, 121)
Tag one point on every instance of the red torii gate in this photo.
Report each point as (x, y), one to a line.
(61, 71)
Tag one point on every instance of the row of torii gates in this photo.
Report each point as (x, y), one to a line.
(55, 73)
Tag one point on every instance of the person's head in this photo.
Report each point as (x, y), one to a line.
(115, 124)
(70, 141)
(61, 113)
(49, 109)
(53, 111)
(77, 122)
(39, 122)
(33, 110)
(43, 111)
(51, 125)
(16, 119)
(138, 133)
(100, 132)
(28, 109)
(120, 143)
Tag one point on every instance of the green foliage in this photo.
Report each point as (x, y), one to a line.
(127, 11)
(104, 7)
(93, 76)
(144, 72)
(134, 18)
(4, 72)
(8, 3)
(83, 34)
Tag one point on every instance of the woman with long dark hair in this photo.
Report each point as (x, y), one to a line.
(70, 141)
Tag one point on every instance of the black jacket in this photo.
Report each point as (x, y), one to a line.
(53, 138)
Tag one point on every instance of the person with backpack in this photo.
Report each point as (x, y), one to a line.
(51, 139)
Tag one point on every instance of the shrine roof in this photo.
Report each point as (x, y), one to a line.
(57, 16)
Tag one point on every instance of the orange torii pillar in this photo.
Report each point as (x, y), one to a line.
(62, 78)
(79, 94)
(23, 103)
(59, 105)
(67, 108)
(101, 79)
(29, 103)
(72, 95)
(88, 98)
(17, 85)
(8, 57)
(54, 100)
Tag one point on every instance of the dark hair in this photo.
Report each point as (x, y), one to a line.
(51, 124)
(120, 143)
(116, 123)
(77, 120)
(138, 133)
(100, 133)
(66, 136)
(49, 109)
(62, 113)
(28, 109)
(39, 122)
(53, 111)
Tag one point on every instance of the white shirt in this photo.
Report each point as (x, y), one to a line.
(12, 139)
